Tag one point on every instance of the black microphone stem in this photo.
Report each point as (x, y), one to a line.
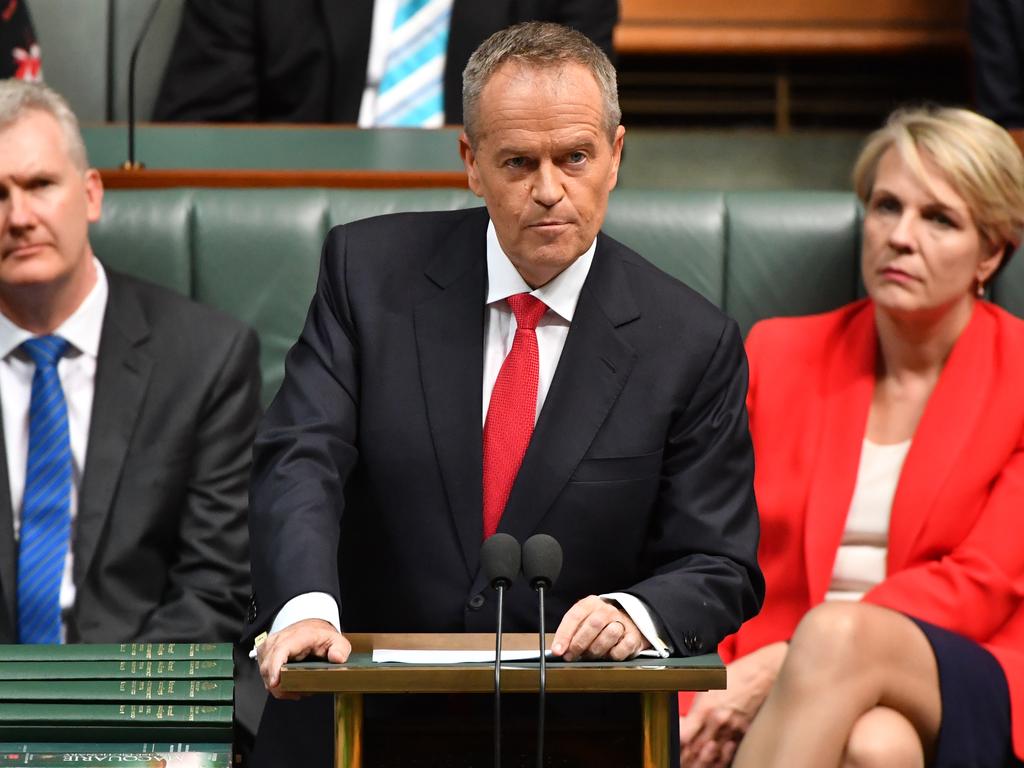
(497, 679)
(543, 682)
(131, 164)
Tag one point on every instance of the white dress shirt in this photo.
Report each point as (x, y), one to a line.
(77, 372)
(561, 296)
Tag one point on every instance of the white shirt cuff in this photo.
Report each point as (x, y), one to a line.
(309, 605)
(645, 621)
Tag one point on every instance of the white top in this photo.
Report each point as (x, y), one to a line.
(383, 20)
(561, 296)
(77, 371)
(860, 561)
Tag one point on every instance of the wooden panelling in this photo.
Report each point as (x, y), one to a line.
(790, 26)
(157, 178)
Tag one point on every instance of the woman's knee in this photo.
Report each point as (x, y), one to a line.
(883, 738)
(831, 638)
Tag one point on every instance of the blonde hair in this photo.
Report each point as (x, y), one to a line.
(978, 158)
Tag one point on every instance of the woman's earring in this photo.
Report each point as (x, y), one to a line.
(980, 290)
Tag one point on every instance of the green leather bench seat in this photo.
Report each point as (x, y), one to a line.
(254, 253)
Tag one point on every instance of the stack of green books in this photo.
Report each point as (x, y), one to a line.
(133, 704)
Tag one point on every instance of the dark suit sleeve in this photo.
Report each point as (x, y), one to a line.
(703, 546)
(212, 74)
(594, 18)
(209, 580)
(304, 452)
(997, 42)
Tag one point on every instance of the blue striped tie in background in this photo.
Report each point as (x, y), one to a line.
(46, 505)
(411, 90)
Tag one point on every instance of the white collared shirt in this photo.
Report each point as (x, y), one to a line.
(560, 295)
(77, 371)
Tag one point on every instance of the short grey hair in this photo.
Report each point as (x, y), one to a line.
(537, 45)
(18, 98)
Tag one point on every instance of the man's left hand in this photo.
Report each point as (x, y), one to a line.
(597, 629)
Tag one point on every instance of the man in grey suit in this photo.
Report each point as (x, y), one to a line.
(128, 413)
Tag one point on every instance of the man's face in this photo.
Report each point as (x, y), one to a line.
(46, 204)
(543, 163)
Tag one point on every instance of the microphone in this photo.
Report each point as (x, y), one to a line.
(130, 164)
(500, 556)
(542, 562)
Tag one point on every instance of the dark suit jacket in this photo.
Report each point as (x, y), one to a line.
(160, 540)
(997, 45)
(368, 464)
(305, 60)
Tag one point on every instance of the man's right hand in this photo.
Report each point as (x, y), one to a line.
(311, 637)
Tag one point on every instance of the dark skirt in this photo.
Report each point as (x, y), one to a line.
(975, 730)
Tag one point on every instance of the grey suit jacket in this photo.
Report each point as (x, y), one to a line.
(160, 544)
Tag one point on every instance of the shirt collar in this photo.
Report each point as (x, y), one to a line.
(560, 294)
(82, 329)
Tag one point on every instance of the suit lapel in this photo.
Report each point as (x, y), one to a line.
(449, 339)
(848, 387)
(593, 368)
(122, 375)
(8, 551)
(942, 435)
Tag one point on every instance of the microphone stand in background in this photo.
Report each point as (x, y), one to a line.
(542, 562)
(131, 164)
(500, 557)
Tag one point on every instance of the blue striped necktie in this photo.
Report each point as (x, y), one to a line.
(46, 505)
(410, 92)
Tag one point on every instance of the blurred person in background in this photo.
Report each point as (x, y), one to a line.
(19, 50)
(997, 45)
(889, 441)
(371, 62)
(128, 414)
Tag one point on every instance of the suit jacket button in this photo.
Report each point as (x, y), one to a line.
(250, 615)
(476, 602)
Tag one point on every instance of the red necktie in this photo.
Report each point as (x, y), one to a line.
(512, 410)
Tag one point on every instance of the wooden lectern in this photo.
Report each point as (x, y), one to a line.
(656, 680)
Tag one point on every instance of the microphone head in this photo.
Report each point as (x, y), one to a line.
(500, 556)
(542, 560)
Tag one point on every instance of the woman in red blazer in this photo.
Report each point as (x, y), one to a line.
(926, 665)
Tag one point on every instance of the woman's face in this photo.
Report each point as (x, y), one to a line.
(922, 250)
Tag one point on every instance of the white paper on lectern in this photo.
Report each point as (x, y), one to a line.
(382, 655)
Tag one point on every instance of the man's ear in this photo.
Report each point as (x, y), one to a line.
(93, 195)
(613, 176)
(469, 161)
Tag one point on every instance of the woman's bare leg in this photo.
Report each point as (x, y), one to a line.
(883, 738)
(845, 659)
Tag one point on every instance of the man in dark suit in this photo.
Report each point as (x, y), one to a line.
(373, 482)
(144, 532)
(997, 45)
(305, 61)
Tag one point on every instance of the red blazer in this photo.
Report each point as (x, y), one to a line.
(956, 551)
